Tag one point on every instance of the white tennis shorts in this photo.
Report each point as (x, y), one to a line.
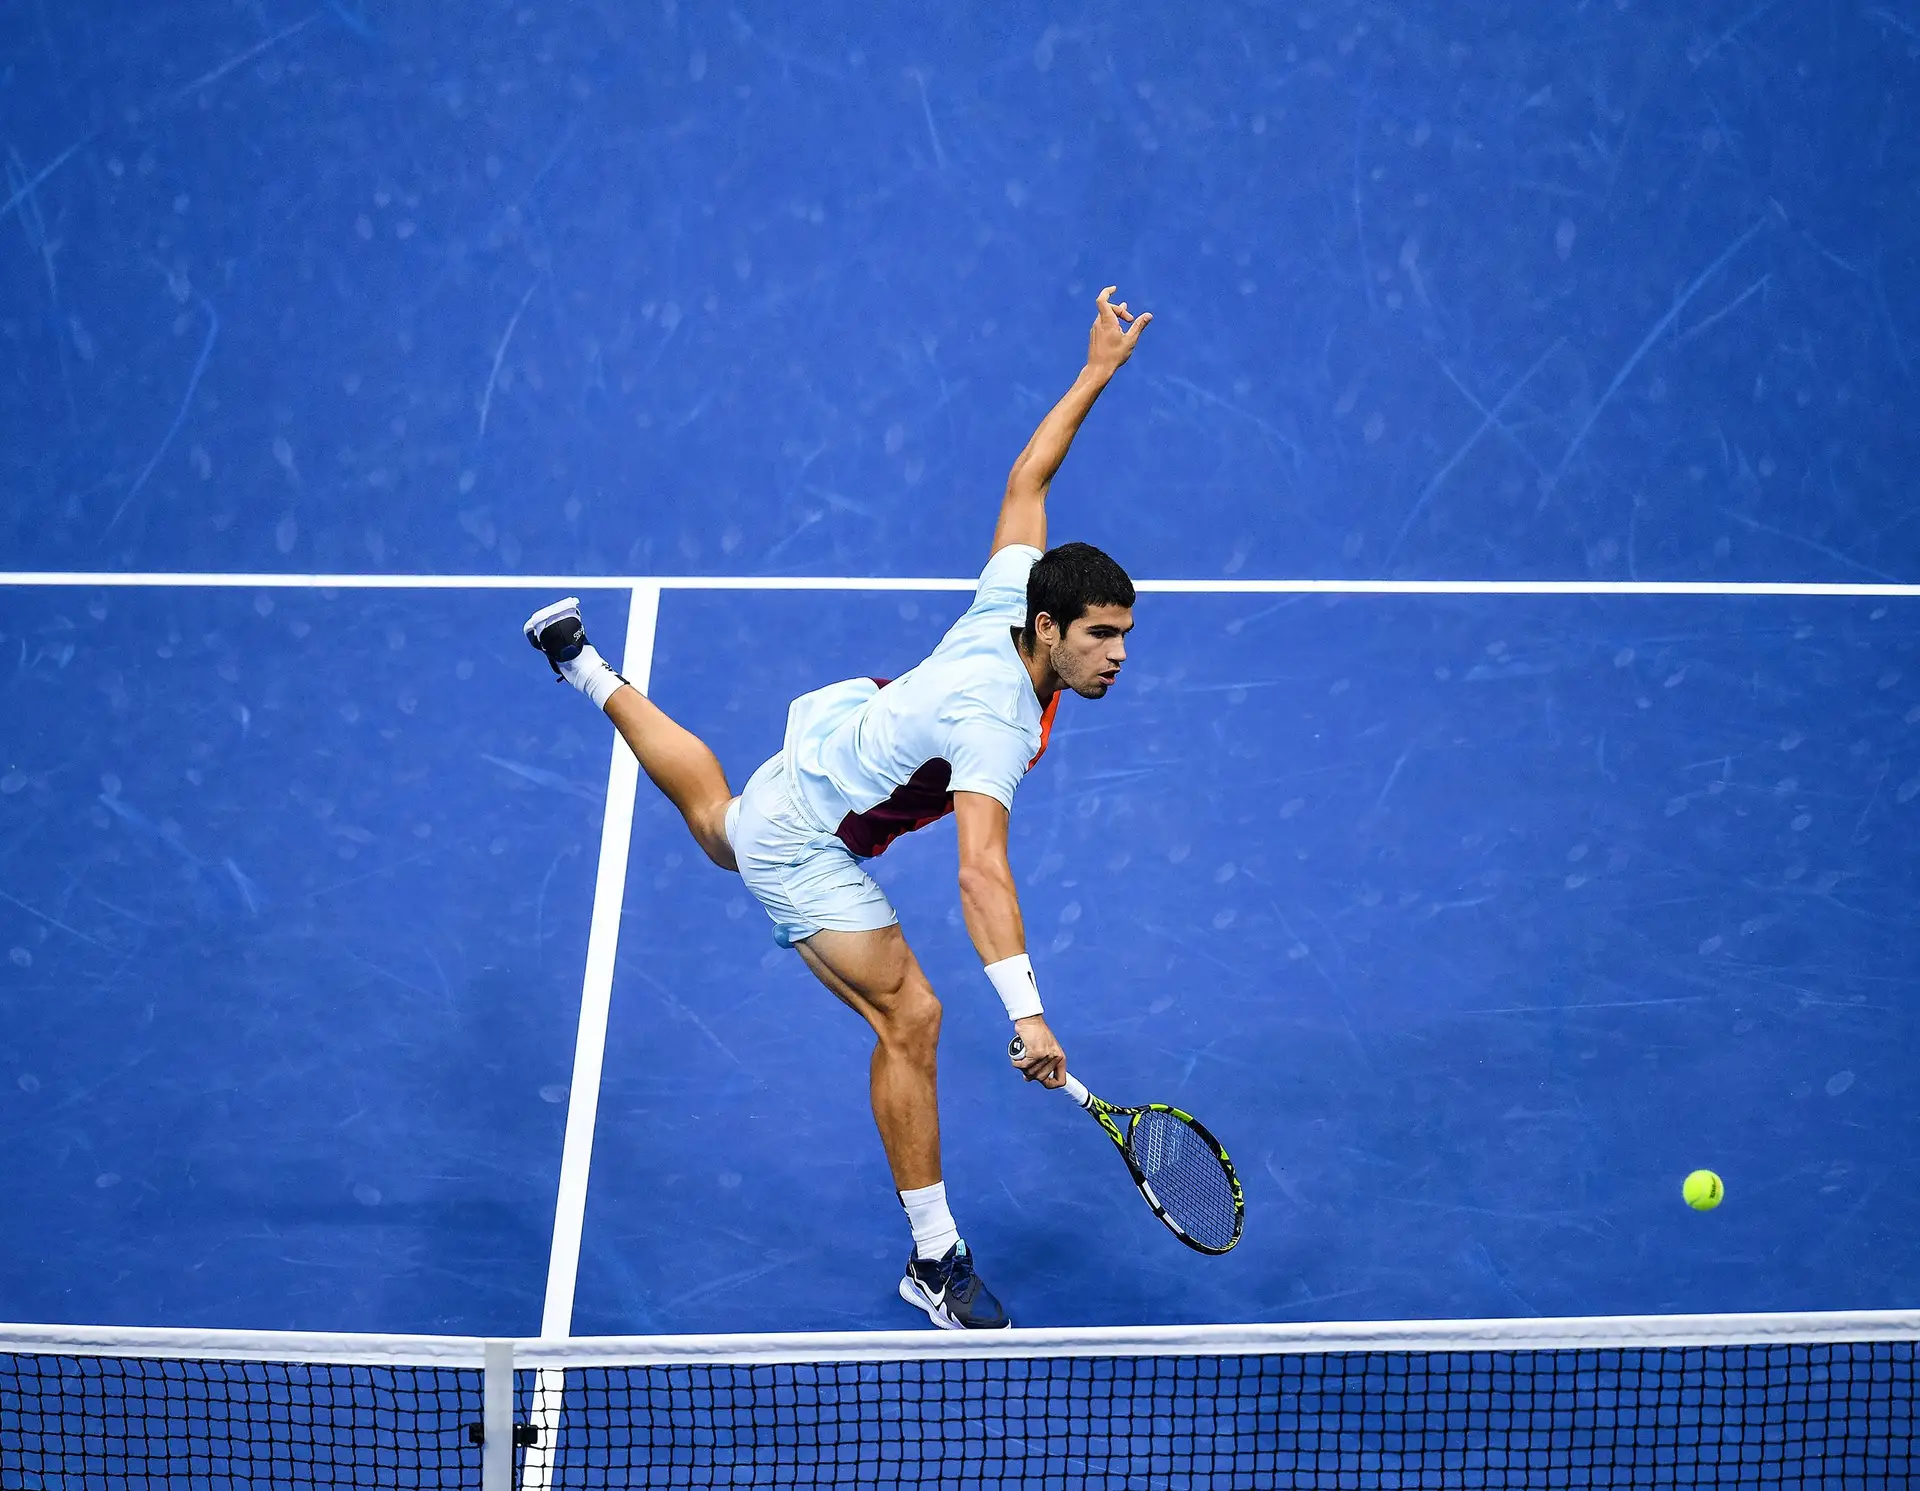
(806, 878)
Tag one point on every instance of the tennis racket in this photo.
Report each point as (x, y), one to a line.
(1177, 1165)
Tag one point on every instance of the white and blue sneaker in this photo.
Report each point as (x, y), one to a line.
(558, 632)
(560, 636)
(951, 1293)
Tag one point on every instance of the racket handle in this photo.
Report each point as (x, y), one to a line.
(1016, 1048)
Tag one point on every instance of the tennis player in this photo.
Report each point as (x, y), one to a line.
(868, 760)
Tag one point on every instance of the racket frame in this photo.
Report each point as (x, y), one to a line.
(1111, 1116)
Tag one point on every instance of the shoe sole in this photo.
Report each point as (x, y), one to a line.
(914, 1295)
(538, 621)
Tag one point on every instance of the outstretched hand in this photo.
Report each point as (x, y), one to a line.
(1116, 330)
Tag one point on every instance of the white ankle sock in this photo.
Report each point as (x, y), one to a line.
(932, 1223)
(593, 675)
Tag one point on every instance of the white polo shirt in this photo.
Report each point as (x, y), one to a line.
(871, 759)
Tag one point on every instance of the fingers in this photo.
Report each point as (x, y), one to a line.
(1115, 316)
(1049, 1069)
(1046, 1065)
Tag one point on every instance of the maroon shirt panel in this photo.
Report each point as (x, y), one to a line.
(922, 799)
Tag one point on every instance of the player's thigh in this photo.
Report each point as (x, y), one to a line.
(874, 972)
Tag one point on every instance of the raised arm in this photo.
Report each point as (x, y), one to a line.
(1023, 511)
(991, 907)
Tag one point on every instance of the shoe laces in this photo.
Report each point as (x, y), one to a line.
(960, 1275)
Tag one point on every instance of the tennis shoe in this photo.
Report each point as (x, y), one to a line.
(951, 1293)
(557, 632)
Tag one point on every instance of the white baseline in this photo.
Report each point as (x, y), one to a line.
(137, 579)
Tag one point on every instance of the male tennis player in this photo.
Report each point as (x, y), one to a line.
(866, 761)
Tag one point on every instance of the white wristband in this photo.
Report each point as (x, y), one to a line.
(1012, 980)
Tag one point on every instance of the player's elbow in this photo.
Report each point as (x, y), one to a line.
(983, 882)
(1027, 482)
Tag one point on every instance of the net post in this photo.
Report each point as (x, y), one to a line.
(496, 1464)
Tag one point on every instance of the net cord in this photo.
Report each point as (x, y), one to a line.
(1313, 1338)
(1593, 1332)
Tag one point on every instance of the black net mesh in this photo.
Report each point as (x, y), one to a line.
(68, 1423)
(1776, 1416)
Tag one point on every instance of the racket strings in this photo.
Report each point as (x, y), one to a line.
(1187, 1175)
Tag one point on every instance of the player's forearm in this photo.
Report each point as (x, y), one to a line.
(1023, 512)
(991, 908)
(1036, 466)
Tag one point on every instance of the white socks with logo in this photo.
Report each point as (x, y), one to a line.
(932, 1223)
(593, 675)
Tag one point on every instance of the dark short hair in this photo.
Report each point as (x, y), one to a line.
(1069, 581)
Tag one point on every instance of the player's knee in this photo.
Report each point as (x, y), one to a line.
(720, 852)
(913, 1021)
(710, 833)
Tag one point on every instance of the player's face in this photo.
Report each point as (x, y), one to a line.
(1087, 658)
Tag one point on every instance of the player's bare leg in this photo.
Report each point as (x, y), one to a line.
(681, 765)
(676, 760)
(877, 975)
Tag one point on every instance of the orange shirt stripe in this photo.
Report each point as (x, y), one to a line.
(1046, 730)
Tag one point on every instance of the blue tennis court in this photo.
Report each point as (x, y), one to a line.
(1469, 922)
(1507, 808)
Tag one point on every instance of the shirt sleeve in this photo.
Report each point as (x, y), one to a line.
(1003, 584)
(988, 756)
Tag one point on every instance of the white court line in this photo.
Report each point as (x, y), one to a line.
(564, 583)
(603, 936)
(561, 583)
(590, 1042)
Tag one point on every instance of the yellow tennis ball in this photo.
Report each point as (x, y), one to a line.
(1703, 1189)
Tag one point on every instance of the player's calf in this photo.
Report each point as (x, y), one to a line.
(676, 760)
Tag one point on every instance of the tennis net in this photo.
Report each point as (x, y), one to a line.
(1655, 1401)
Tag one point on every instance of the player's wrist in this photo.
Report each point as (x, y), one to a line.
(1013, 980)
